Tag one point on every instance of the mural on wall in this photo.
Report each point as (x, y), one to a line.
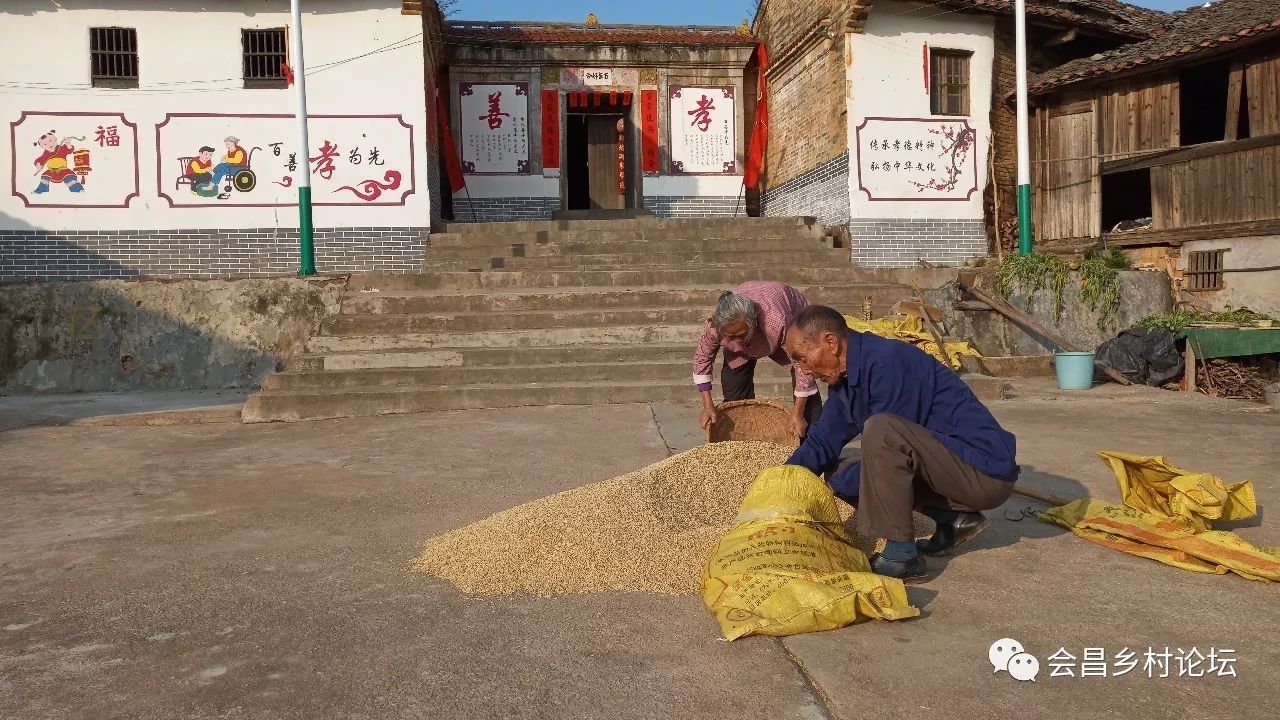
(214, 160)
(74, 159)
(702, 130)
(917, 159)
(494, 127)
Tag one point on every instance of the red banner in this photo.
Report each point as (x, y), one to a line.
(620, 155)
(550, 128)
(452, 168)
(760, 130)
(650, 160)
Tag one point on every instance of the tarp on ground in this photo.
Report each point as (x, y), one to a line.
(911, 329)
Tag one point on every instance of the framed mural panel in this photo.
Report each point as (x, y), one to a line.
(74, 159)
(221, 160)
(494, 127)
(917, 159)
(703, 133)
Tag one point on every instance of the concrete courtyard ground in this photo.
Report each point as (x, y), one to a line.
(217, 570)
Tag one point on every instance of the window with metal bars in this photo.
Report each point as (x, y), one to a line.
(949, 82)
(1204, 270)
(113, 57)
(265, 54)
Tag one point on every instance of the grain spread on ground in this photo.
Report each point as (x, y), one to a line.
(646, 531)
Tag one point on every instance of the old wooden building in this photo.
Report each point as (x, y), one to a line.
(1172, 145)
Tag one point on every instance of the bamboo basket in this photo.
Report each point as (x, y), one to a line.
(753, 420)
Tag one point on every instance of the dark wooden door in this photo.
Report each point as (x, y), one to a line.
(602, 139)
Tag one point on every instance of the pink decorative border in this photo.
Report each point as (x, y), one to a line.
(13, 149)
(413, 159)
(937, 121)
(676, 167)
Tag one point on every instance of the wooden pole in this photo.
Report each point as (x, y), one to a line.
(1030, 323)
(933, 328)
(1043, 497)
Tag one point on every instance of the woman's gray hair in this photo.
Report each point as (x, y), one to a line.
(731, 308)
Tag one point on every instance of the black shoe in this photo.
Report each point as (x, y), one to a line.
(913, 570)
(964, 528)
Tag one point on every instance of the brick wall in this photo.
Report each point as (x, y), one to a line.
(823, 192)
(202, 253)
(500, 209)
(669, 206)
(807, 84)
(897, 242)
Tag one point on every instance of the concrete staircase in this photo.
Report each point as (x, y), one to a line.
(557, 312)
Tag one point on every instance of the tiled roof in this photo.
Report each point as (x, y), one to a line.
(465, 31)
(1110, 15)
(1186, 33)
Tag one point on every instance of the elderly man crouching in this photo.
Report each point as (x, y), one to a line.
(927, 441)
(749, 322)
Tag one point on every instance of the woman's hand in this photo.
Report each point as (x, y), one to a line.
(708, 417)
(799, 426)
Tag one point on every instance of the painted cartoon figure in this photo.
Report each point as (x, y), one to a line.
(234, 161)
(200, 170)
(55, 163)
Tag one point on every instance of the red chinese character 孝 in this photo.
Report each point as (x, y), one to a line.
(495, 114)
(324, 161)
(702, 114)
(107, 136)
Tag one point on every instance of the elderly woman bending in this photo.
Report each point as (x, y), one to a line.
(750, 322)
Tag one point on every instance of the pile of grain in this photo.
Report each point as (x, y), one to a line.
(647, 531)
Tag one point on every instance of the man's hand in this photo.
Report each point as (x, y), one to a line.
(708, 417)
(799, 426)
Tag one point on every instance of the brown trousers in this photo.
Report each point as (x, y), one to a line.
(905, 466)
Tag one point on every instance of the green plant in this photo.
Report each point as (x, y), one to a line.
(1178, 319)
(1100, 281)
(1030, 273)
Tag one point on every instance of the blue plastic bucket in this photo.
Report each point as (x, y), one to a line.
(1075, 370)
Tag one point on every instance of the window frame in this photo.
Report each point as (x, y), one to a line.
(939, 81)
(1205, 270)
(111, 57)
(249, 53)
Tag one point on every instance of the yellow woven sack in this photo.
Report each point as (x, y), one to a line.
(787, 566)
(1193, 499)
(911, 329)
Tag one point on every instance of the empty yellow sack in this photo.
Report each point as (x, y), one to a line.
(787, 566)
(1150, 484)
(911, 329)
(1166, 517)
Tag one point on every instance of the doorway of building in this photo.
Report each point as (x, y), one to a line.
(597, 161)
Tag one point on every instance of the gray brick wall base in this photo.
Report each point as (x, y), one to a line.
(677, 206)
(204, 253)
(503, 209)
(895, 242)
(822, 192)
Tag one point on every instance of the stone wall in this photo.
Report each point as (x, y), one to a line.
(152, 334)
(1141, 294)
(898, 242)
(823, 192)
(204, 253)
(677, 206)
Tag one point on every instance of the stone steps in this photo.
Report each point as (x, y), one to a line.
(577, 312)
(847, 295)
(508, 248)
(726, 276)
(748, 258)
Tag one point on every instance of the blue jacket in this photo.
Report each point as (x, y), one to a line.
(891, 376)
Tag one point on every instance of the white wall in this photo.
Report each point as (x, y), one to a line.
(190, 62)
(886, 79)
(1259, 291)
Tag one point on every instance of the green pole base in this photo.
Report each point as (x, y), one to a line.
(1024, 219)
(306, 240)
